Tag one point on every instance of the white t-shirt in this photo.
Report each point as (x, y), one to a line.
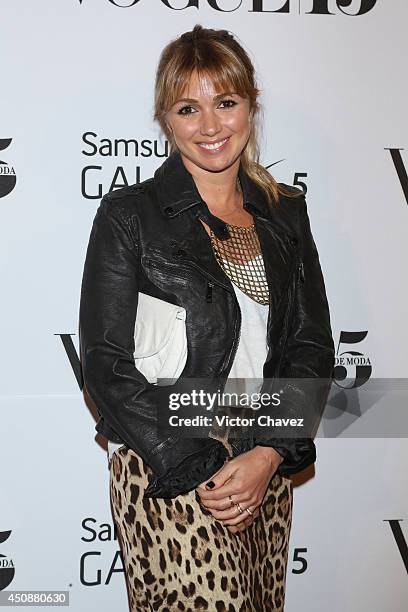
(252, 347)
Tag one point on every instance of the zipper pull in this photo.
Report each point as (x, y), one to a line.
(208, 297)
(301, 272)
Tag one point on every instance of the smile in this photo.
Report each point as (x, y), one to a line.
(215, 146)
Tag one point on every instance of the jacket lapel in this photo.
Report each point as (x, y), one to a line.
(178, 197)
(279, 255)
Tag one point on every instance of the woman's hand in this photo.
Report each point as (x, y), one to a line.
(245, 478)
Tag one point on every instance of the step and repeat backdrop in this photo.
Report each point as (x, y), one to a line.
(76, 108)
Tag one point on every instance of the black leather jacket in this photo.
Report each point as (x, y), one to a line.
(148, 237)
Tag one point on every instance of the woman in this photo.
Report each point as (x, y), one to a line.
(204, 522)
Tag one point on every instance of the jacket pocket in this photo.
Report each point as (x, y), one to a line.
(160, 338)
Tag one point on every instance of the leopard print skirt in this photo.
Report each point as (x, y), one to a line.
(177, 556)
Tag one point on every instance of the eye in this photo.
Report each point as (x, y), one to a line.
(182, 109)
(229, 101)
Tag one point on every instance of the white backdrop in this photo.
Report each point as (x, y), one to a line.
(335, 99)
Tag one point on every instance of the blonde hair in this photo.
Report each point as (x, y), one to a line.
(217, 55)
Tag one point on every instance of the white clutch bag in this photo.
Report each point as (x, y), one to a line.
(160, 342)
(160, 338)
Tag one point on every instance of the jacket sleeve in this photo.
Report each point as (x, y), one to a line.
(306, 370)
(121, 393)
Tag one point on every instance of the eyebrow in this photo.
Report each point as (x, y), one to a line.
(217, 97)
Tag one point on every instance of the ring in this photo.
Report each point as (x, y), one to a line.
(239, 508)
(249, 511)
(232, 503)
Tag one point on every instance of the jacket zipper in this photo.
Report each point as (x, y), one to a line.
(301, 272)
(208, 296)
(203, 272)
(294, 267)
(300, 278)
(208, 275)
(237, 323)
(229, 359)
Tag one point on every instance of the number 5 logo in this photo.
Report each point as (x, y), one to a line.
(8, 177)
(350, 358)
(298, 556)
(6, 564)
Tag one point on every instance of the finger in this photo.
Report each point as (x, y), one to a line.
(225, 503)
(242, 517)
(231, 486)
(241, 527)
(244, 525)
(220, 506)
(230, 513)
(217, 480)
(201, 486)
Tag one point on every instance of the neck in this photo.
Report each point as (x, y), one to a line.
(220, 190)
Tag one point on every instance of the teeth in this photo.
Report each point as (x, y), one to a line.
(216, 145)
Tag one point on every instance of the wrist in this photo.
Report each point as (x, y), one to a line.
(269, 453)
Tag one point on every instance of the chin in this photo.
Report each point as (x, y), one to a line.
(214, 165)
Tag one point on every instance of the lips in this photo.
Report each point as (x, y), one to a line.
(215, 146)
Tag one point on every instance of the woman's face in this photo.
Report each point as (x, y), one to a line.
(210, 129)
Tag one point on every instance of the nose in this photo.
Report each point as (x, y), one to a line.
(210, 123)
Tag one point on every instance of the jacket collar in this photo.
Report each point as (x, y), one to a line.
(177, 191)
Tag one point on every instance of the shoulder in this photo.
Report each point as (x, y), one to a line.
(127, 201)
(292, 202)
(294, 197)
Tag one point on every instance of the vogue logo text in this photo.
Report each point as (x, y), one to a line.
(308, 7)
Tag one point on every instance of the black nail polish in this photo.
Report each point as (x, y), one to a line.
(210, 484)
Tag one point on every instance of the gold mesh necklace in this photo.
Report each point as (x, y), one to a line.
(240, 256)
